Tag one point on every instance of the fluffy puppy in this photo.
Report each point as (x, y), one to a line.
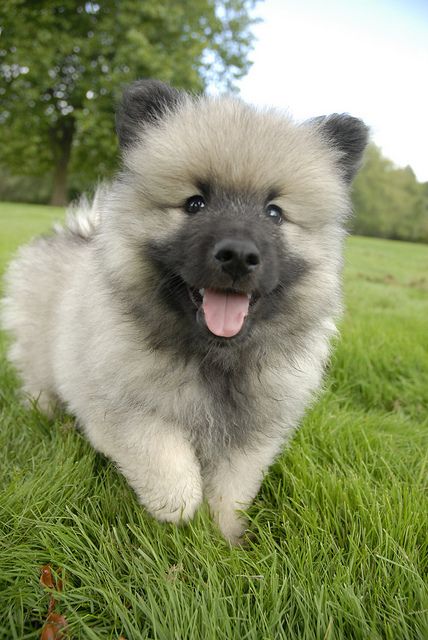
(184, 317)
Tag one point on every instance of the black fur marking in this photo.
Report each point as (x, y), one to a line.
(348, 134)
(143, 102)
(188, 260)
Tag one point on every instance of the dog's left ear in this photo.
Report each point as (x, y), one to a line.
(348, 134)
(144, 103)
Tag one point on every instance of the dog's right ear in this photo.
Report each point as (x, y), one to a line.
(144, 102)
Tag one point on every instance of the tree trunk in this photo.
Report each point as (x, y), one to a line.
(59, 189)
(62, 139)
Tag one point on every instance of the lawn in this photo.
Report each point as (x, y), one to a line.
(340, 526)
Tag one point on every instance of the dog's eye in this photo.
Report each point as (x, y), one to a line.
(274, 213)
(194, 204)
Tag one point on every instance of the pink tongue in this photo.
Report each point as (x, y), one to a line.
(225, 312)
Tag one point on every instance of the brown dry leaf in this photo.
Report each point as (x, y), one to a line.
(46, 577)
(54, 627)
(48, 580)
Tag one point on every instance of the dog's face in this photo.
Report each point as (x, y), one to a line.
(226, 267)
(227, 220)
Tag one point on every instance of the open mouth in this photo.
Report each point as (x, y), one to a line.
(224, 311)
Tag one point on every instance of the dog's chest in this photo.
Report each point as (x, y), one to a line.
(227, 411)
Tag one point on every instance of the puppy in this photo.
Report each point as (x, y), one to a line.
(185, 316)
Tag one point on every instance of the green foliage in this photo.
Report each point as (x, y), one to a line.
(16, 188)
(62, 65)
(339, 546)
(389, 202)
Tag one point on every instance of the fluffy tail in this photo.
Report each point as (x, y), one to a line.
(83, 217)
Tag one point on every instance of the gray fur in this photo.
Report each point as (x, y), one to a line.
(143, 103)
(99, 317)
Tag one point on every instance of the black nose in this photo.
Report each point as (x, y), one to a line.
(237, 257)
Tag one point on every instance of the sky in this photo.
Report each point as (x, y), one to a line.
(366, 58)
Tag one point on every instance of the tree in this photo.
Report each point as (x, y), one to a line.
(389, 202)
(62, 66)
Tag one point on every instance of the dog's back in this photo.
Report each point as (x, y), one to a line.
(34, 286)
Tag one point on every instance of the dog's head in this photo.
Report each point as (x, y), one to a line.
(227, 220)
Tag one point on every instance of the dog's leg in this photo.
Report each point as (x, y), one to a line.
(234, 484)
(159, 464)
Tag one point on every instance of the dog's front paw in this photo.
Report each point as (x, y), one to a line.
(172, 496)
(178, 504)
(166, 476)
(229, 520)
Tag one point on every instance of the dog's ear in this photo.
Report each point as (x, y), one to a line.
(144, 102)
(349, 135)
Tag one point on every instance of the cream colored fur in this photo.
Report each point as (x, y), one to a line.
(72, 342)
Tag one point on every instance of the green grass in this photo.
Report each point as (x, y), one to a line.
(21, 222)
(340, 547)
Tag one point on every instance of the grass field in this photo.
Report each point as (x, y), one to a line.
(340, 546)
